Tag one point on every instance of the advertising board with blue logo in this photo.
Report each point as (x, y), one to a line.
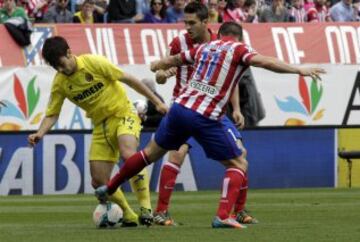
(278, 159)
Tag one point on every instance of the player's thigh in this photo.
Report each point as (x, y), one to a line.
(100, 171)
(128, 130)
(128, 144)
(103, 145)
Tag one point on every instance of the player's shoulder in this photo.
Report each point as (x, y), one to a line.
(241, 46)
(91, 58)
(175, 46)
(92, 62)
(180, 43)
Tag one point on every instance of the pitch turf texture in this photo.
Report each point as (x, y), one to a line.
(285, 215)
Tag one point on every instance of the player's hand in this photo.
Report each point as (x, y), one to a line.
(239, 119)
(161, 77)
(154, 66)
(314, 72)
(162, 108)
(143, 117)
(33, 139)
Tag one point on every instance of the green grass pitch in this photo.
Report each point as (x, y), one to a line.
(285, 215)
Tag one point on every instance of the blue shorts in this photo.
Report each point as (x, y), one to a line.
(228, 124)
(217, 139)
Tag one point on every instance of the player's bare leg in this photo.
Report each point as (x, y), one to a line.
(168, 176)
(233, 180)
(139, 183)
(100, 173)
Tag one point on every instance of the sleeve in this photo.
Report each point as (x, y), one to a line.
(56, 99)
(188, 56)
(244, 53)
(175, 47)
(105, 67)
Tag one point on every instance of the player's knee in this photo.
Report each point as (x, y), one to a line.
(95, 183)
(244, 163)
(239, 162)
(177, 157)
(243, 152)
(98, 180)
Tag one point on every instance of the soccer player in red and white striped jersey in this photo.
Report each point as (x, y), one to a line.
(214, 60)
(196, 19)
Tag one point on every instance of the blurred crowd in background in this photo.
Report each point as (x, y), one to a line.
(172, 11)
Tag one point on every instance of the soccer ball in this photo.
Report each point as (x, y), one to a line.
(141, 107)
(107, 215)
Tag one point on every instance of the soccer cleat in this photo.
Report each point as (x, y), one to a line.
(229, 223)
(163, 218)
(146, 217)
(244, 218)
(101, 193)
(130, 220)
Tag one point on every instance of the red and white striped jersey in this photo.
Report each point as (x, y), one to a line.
(180, 44)
(218, 66)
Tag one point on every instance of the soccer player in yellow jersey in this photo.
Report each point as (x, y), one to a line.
(95, 85)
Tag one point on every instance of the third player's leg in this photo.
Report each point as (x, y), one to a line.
(241, 214)
(168, 175)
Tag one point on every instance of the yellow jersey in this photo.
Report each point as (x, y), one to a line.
(94, 87)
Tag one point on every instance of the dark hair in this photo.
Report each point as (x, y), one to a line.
(248, 3)
(163, 8)
(199, 9)
(230, 4)
(53, 49)
(231, 28)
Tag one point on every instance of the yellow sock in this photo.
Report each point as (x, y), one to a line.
(118, 197)
(140, 186)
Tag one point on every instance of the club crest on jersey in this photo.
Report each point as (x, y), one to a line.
(88, 77)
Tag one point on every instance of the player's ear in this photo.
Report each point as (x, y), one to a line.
(68, 53)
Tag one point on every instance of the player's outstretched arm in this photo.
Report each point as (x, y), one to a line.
(166, 63)
(139, 87)
(279, 66)
(161, 76)
(45, 126)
